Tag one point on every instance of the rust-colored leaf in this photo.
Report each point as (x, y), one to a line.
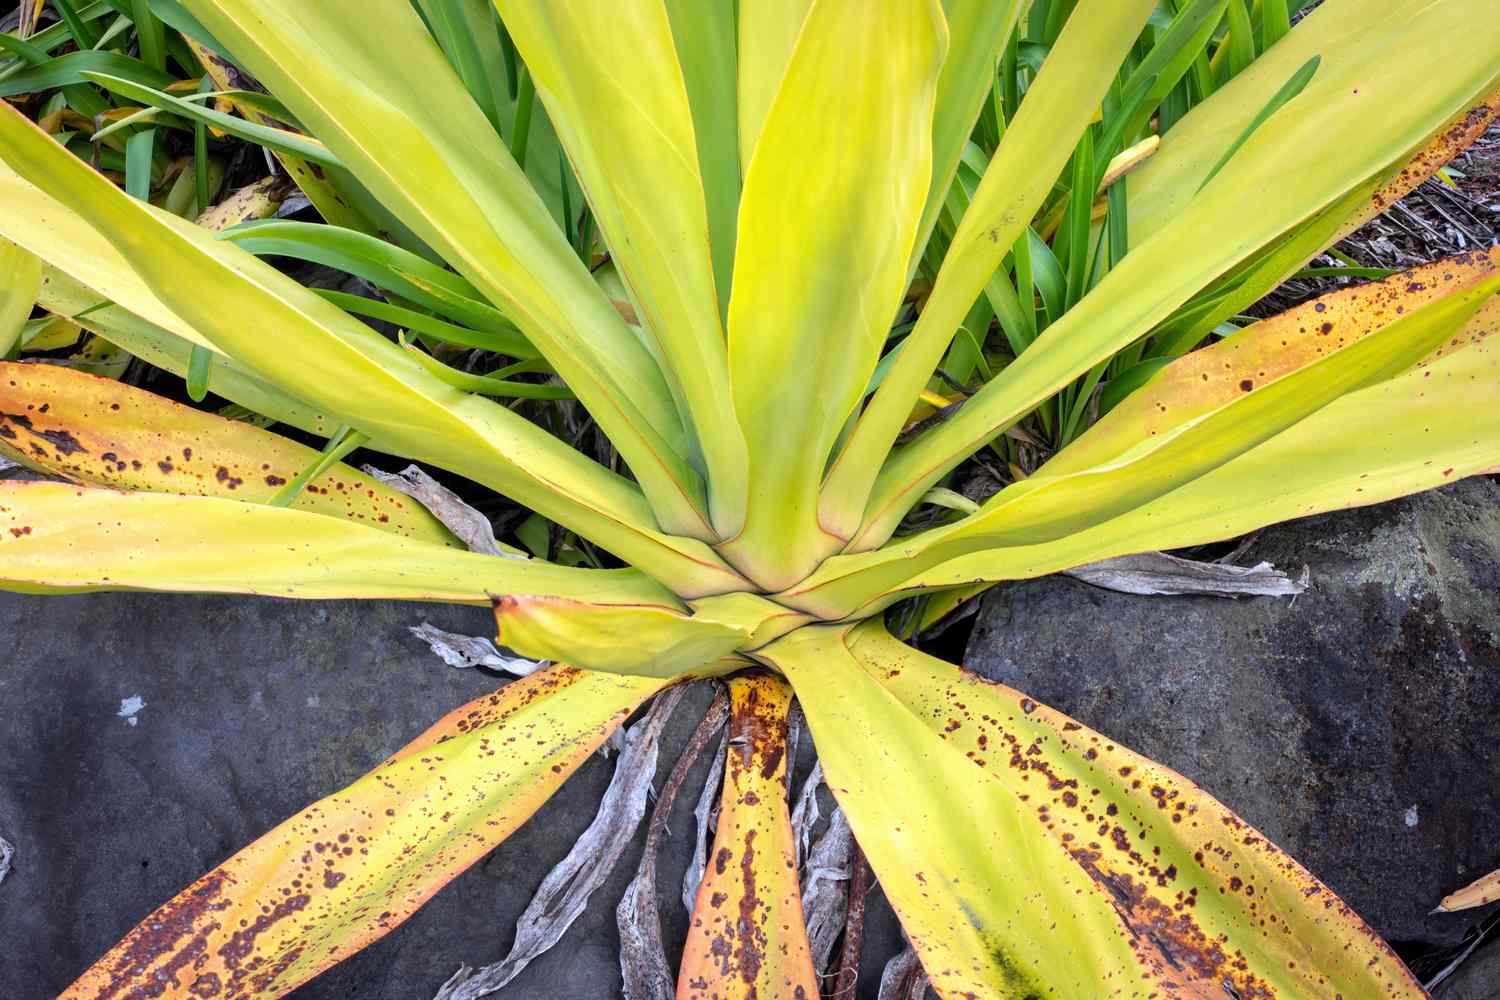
(747, 938)
(106, 433)
(1480, 892)
(349, 869)
(1460, 134)
(1272, 349)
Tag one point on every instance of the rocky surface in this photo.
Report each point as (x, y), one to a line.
(1354, 724)
(1478, 978)
(144, 738)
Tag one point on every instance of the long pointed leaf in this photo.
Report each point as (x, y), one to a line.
(1400, 437)
(625, 118)
(747, 938)
(364, 75)
(1148, 461)
(704, 31)
(103, 432)
(55, 537)
(850, 127)
(1363, 89)
(351, 868)
(1033, 150)
(348, 369)
(1027, 855)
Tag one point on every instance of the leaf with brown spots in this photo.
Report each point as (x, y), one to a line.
(106, 433)
(746, 938)
(1480, 892)
(351, 868)
(1262, 354)
(1137, 464)
(1431, 426)
(1027, 855)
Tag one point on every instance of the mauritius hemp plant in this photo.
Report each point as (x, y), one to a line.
(765, 176)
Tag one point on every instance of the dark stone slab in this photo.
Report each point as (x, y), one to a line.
(1354, 725)
(253, 708)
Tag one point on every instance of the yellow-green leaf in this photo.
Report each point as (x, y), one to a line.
(625, 118)
(351, 868)
(66, 296)
(1369, 100)
(347, 369)
(1147, 463)
(1027, 855)
(1262, 353)
(657, 640)
(850, 128)
(767, 32)
(1431, 426)
(1036, 145)
(55, 537)
(20, 283)
(365, 77)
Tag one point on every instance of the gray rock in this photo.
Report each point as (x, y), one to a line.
(1354, 725)
(144, 738)
(1478, 978)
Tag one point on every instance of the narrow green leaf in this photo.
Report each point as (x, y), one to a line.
(344, 440)
(1293, 86)
(262, 135)
(521, 127)
(76, 67)
(200, 365)
(138, 153)
(149, 32)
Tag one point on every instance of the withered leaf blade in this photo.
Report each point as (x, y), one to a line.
(471, 527)
(825, 889)
(903, 978)
(464, 651)
(705, 814)
(1477, 893)
(643, 957)
(1160, 573)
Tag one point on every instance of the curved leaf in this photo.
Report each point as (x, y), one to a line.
(1370, 101)
(351, 868)
(1035, 147)
(624, 116)
(63, 295)
(349, 370)
(851, 127)
(747, 938)
(364, 75)
(1150, 462)
(1274, 348)
(1429, 427)
(1027, 855)
(106, 433)
(63, 239)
